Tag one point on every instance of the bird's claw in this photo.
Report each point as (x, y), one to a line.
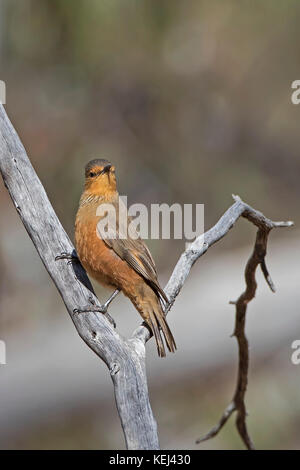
(88, 309)
(111, 320)
(102, 309)
(77, 310)
(69, 256)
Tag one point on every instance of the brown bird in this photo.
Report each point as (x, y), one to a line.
(123, 261)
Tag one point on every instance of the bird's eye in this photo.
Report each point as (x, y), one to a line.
(92, 174)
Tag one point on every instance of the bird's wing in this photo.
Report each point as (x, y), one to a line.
(137, 255)
(132, 249)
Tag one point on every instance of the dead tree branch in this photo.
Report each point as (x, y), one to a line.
(257, 258)
(125, 358)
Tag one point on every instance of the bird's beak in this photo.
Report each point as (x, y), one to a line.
(106, 169)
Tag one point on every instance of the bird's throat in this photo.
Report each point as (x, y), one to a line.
(91, 197)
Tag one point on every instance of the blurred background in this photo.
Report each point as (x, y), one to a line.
(192, 102)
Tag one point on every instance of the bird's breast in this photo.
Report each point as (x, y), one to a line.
(99, 260)
(93, 253)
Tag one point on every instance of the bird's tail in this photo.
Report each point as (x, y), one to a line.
(159, 326)
(148, 305)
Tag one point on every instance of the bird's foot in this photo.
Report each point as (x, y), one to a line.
(71, 257)
(94, 308)
(111, 298)
(90, 308)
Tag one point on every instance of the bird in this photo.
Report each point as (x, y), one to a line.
(120, 260)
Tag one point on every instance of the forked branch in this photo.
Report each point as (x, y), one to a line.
(256, 259)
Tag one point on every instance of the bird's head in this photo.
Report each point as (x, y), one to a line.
(100, 177)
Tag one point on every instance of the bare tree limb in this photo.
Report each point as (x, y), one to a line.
(257, 258)
(125, 358)
(200, 246)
